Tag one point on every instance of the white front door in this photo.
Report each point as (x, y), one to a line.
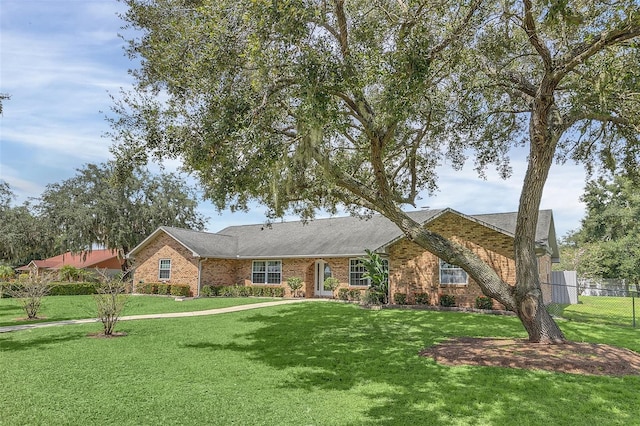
(323, 271)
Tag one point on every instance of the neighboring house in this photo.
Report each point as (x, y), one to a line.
(95, 259)
(269, 255)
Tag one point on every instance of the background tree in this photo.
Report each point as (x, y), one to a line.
(307, 105)
(95, 208)
(24, 236)
(609, 235)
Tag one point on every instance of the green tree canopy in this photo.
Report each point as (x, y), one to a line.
(95, 208)
(23, 236)
(301, 105)
(609, 236)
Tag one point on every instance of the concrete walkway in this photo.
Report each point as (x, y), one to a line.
(165, 315)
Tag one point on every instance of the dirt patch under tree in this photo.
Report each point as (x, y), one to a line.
(571, 357)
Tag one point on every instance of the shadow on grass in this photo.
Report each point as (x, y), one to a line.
(336, 347)
(11, 342)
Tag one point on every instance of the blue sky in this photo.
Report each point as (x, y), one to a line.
(60, 59)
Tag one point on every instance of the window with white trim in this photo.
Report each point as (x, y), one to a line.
(266, 272)
(357, 272)
(164, 269)
(452, 274)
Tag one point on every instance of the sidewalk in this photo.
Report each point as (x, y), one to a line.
(10, 328)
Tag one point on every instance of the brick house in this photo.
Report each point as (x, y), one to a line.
(269, 255)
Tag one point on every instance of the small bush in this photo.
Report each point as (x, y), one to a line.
(422, 299)
(447, 300)
(374, 297)
(164, 288)
(400, 298)
(343, 294)
(6, 272)
(180, 290)
(295, 284)
(147, 288)
(355, 295)
(484, 302)
(30, 293)
(331, 284)
(209, 291)
(278, 291)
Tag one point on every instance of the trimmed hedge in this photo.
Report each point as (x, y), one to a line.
(58, 289)
(180, 290)
(73, 289)
(241, 291)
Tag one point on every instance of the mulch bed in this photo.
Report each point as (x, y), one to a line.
(570, 357)
(101, 335)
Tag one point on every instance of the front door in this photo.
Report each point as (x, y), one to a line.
(323, 271)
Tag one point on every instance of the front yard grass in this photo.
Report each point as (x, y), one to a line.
(58, 308)
(303, 364)
(600, 309)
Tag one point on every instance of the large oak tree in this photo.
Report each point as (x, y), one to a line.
(306, 104)
(96, 207)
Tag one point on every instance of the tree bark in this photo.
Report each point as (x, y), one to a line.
(529, 304)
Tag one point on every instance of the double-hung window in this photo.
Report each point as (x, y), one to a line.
(452, 274)
(266, 272)
(164, 270)
(357, 272)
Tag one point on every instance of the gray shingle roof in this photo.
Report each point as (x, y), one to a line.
(338, 236)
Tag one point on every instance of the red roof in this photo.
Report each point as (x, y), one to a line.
(94, 259)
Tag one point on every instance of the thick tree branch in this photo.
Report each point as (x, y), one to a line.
(529, 26)
(588, 49)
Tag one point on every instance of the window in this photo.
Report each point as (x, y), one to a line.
(452, 274)
(267, 272)
(357, 272)
(164, 271)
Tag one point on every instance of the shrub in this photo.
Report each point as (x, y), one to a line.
(295, 284)
(70, 273)
(164, 288)
(400, 298)
(229, 291)
(355, 295)
(447, 300)
(331, 284)
(373, 297)
(30, 293)
(278, 291)
(484, 302)
(110, 300)
(343, 294)
(73, 289)
(147, 288)
(180, 290)
(6, 273)
(422, 299)
(209, 291)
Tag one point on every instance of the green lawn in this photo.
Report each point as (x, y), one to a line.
(600, 309)
(56, 308)
(303, 364)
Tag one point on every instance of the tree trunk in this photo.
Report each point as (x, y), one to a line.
(530, 307)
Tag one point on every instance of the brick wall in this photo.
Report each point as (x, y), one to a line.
(412, 270)
(184, 267)
(220, 272)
